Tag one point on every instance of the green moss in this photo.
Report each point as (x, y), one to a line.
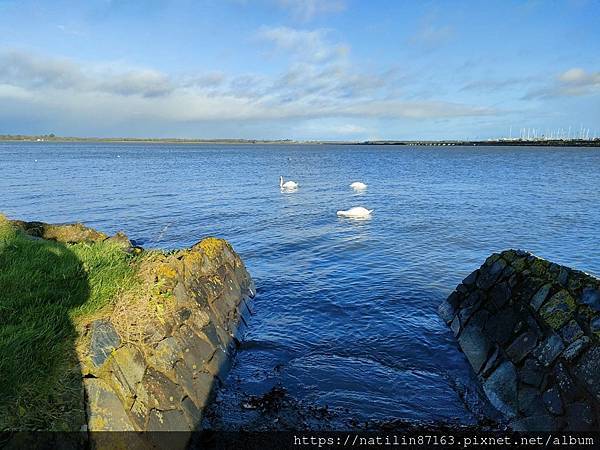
(558, 310)
(46, 288)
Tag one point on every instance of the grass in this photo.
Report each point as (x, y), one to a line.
(47, 289)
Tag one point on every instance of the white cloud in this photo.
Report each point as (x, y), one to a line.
(308, 9)
(319, 82)
(573, 82)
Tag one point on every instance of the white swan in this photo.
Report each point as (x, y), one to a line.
(358, 186)
(288, 185)
(358, 212)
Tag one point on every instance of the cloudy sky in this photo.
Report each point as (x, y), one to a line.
(300, 69)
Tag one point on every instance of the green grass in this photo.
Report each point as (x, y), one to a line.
(46, 288)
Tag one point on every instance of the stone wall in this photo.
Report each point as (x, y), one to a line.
(159, 372)
(530, 329)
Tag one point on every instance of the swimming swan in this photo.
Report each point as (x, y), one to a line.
(358, 212)
(358, 186)
(288, 185)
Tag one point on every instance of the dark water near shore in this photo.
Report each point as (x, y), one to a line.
(346, 311)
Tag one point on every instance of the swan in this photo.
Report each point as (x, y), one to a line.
(288, 185)
(358, 212)
(358, 186)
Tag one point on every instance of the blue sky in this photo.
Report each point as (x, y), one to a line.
(299, 69)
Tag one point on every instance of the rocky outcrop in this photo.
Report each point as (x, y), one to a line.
(156, 368)
(531, 331)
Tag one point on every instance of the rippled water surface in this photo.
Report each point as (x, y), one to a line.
(346, 310)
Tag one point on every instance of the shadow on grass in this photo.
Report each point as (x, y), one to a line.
(41, 284)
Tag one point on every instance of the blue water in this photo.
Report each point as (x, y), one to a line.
(346, 310)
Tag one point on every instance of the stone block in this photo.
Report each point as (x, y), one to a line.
(587, 371)
(104, 340)
(501, 389)
(104, 408)
(558, 310)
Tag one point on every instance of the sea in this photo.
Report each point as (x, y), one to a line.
(345, 318)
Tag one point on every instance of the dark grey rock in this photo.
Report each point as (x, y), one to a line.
(475, 345)
(499, 326)
(104, 341)
(540, 296)
(521, 346)
(455, 326)
(591, 297)
(571, 332)
(587, 371)
(446, 312)
(595, 325)
(454, 299)
(532, 372)
(549, 350)
(471, 278)
(192, 414)
(565, 383)
(580, 417)
(499, 295)
(553, 401)
(491, 363)
(574, 350)
(530, 401)
(501, 389)
(536, 423)
(563, 276)
(488, 276)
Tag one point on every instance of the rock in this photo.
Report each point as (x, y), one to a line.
(591, 297)
(532, 372)
(500, 325)
(563, 276)
(571, 332)
(521, 346)
(540, 297)
(549, 350)
(558, 310)
(501, 389)
(192, 414)
(587, 371)
(488, 276)
(104, 408)
(104, 340)
(161, 393)
(543, 422)
(471, 278)
(499, 295)
(595, 325)
(566, 386)
(553, 401)
(172, 420)
(121, 240)
(446, 312)
(128, 367)
(574, 350)
(530, 402)
(580, 417)
(475, 345)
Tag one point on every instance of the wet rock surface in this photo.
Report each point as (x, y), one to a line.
(531, 339)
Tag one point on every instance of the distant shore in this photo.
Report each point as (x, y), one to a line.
(490, 142)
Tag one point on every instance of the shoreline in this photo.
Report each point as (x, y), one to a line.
(426, 143)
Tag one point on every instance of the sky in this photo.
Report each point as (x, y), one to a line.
(299, 69)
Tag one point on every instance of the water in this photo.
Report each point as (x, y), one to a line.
(346, 310)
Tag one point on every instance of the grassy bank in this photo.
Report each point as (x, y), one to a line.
(47, 291)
